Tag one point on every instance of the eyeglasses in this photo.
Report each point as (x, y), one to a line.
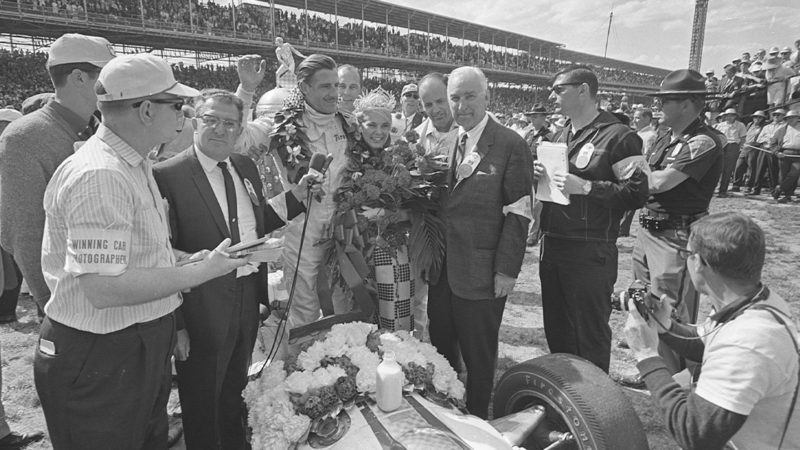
(411, 94)
(213, 121)
(560, 88)
(177, 105)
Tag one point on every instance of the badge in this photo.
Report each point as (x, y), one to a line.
(467, 167)
(584, 156)
(251, 191)
(677, 150)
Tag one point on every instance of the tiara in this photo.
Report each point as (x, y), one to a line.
(377, 98)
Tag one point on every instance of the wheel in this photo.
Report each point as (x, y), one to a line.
(578, 397)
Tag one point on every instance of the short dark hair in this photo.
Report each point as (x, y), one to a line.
(59, 73)
(313, 64)
(647, 113)
(579, 74)
(221, 95)
(438, 76)
(730, 243)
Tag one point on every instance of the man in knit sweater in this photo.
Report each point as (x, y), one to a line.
(32, 148)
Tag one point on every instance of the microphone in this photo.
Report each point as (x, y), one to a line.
(319, 164)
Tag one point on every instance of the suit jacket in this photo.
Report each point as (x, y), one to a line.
(197, 223)
(481, 239)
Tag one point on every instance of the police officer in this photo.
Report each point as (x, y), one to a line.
(686, 165)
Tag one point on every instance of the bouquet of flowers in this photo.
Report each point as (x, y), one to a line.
(291, 399)
(394, 194)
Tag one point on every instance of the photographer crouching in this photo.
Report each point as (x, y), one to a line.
(748, 386)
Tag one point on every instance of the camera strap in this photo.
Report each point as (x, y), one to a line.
(776, 313)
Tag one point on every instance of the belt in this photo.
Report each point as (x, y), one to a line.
(130, 328)
(658, 221)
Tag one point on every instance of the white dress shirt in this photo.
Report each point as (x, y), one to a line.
(473, 136)
(246, 218)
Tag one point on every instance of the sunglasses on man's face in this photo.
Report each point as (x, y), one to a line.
(561, 88)
(411, 94)
(177, 105)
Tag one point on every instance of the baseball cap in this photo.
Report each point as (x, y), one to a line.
(72, 48)
(9, 115)
(139, 75)
(411, 87)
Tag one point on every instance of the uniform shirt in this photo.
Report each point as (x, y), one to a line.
(753, 131)
(776, 92)
(104, 215)
(246, 218)
(698, 154)
(436, 142)
(750, 368)
(734, 132)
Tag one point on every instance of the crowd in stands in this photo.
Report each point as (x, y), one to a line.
(254, 22)
(22, 78)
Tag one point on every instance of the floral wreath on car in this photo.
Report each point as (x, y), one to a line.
(294, 398)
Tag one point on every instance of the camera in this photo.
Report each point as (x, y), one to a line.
(642, 297)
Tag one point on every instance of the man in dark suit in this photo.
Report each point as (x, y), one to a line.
(213, 194)
(486, 212)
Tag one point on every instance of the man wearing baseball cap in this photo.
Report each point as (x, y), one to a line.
(685, 168)
(102, 366)
(32, 147)
(410, 116)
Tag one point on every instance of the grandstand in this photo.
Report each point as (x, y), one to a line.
(389, 41)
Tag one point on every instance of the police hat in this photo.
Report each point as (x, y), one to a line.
(682, 82)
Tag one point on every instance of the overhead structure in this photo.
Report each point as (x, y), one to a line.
(698, 34)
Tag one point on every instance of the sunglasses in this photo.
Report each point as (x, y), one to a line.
(561, 88)
(177, 105)
(411, 94)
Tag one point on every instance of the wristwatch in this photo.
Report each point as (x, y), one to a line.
(587, 187)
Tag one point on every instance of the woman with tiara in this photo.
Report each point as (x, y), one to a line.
(388, 261)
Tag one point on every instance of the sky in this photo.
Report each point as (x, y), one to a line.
(652, 32)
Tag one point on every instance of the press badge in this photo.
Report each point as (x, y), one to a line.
(47, 347)
(104, 252)
(584, 156)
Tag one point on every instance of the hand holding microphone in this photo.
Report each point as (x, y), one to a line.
(312, 181)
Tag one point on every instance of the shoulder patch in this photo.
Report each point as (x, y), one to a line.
(699, 145)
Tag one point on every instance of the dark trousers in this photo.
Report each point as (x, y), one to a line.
(730, 153)
(745, 169)
(473, 326)
(211, 380)
(104, 391)
(766, 165)
(577, 281)
(8, 300)
(790, 172)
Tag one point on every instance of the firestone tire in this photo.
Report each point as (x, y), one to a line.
(578, 397)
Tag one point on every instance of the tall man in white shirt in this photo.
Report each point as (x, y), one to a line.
(735, 133)
(409, 116)
(102, 366)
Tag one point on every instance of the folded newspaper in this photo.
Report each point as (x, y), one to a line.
(261, 250)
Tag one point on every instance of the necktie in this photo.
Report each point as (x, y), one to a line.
(462, 149)
(230, 195)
